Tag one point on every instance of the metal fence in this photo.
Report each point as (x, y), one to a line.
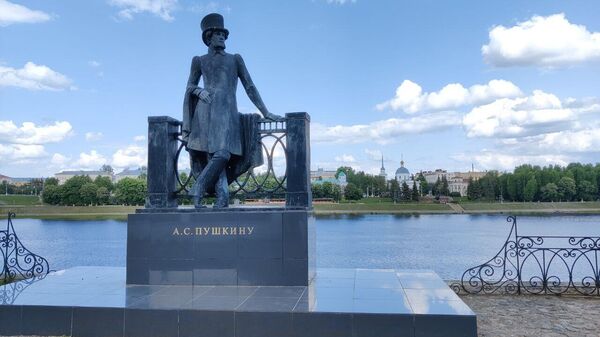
(18, 263)
(537, 265)
(285, 145)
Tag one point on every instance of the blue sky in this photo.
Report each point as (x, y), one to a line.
(445, 84)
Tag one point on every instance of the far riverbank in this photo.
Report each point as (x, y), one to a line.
(518, 208)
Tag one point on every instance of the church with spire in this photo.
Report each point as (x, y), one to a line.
(382, 171)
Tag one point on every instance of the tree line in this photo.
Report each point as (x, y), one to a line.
(575, 182)
(83, 191)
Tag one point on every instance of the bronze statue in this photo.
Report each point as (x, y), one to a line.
(221, 141)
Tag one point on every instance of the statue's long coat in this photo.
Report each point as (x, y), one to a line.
(210, 127)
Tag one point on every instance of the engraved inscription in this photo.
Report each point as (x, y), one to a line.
(213, 231)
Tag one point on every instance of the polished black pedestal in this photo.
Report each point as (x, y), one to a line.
(238, 246)
(95, 301)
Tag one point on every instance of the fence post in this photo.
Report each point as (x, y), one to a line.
(162, 148)
(298, 160)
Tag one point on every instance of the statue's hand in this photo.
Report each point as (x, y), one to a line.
(204, 96)
(273, 117)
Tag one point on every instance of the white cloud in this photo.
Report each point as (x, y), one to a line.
(411, 99)
(340, 2)
(11, 13)
(519, 117)
(92, 160)
(34, 77)
(345, 158)
(210, 7)
(139, 138)
(59, 160)
(586, 140)
(131, 156)
(550, 41)
(29, 133)
(374, 154)
(160, 8)
(93, 136)
(21, 151)
(491, 160)
(384, 131)
(94, 64)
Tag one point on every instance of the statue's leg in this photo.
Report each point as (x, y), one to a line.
(222, 190)
(197, 163)
(210, 174)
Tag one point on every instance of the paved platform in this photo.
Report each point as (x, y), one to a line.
(95, 301)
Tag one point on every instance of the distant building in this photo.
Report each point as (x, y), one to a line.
(432, 176)
(63, 176)
(382, 171)
(458, 185)
(20, 181)
(127, 173)
(403, 176)
(321, 176)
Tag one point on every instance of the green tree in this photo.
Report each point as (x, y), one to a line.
(423, 183)
(129, 191)
(89, 194)
(352, 192)
(566, 188)
(102, 181)
(405, 192)
(395, 190)
(444, 190)
(586, 191)
(102, 196)
(71, 190)
(317, 191)
(107, 169)
(51, 181)
(530, 189)
(415, 192)
(52, 194)
(550, 192)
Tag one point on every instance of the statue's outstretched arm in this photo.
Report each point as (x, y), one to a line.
(251, 90)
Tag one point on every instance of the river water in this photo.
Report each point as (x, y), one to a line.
(447, 244)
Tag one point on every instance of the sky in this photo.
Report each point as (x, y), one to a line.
(439, 84)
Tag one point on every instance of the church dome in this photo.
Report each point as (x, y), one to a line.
(402, 170)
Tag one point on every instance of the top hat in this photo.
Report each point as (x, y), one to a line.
(210, 23)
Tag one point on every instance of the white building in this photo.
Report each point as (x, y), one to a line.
(403, 176)
(432, 176)
(127, 173)
(66, 175)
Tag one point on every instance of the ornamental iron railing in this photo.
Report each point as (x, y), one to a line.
(285, 173)
(18, 263)
(266, 183)
(537, 265)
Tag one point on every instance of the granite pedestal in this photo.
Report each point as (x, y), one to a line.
(96, 301)
(241, 246)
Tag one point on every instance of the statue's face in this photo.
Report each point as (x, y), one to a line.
(217, 39)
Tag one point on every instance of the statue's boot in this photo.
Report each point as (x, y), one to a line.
(222, 191)
(209, 176)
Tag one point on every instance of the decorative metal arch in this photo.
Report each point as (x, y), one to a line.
(19, 263)
(537, 265)
(249, 183)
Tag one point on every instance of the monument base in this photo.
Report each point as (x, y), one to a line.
(95, 301)
(237, 246)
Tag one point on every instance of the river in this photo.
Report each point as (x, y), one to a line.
(447, 244)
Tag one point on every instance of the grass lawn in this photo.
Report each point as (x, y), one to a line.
(380, 207)
(70, 212)
(481, 206)
(15, 199)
